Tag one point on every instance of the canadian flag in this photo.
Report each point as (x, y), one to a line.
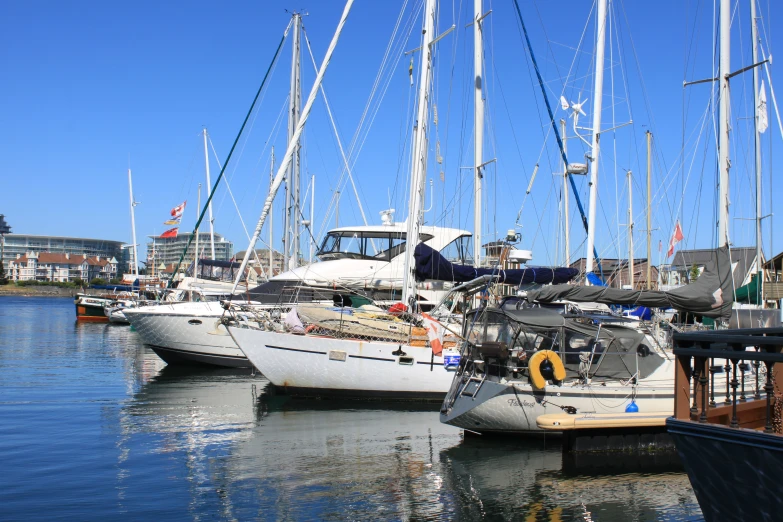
(435, 332)
(177, 211)
(676, 238)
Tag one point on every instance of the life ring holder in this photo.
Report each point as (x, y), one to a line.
(534, 368)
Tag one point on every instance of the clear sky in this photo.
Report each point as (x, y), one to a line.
(91, 88)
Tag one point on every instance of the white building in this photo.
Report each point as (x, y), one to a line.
(17, 245)
(168, 250)
(47, 266)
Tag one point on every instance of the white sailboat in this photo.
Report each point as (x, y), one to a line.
(519, 363)
(191, 332)
(304, 363)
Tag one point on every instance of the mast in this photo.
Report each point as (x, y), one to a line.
(337, 209)
(209, 184)
(630, 229)
(478, 122)
(723, 138)
(289, 153)
(566, 235)
(312, 213)
(195, 257)
(135, 266)
(419, 157)
(757, 139)
(291, 225)
(649, 218)
(271, 228)
(600, 43)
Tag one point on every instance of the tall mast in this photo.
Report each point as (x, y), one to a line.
(312, 213)
(289, 153)
(478, 122)
(600, 43)
(649, 218)
(195, 256)
(754, 36)
(630, 229)
(135, 266)
(291, 225)
(566, 235)
(723, 139)
(419, 157)
(209, 185)
(271, 228)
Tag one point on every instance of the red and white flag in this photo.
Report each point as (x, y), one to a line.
(676, 238)
(435, 333)
(177, 211)
(172, 232)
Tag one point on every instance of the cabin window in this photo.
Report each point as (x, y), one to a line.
(459, 251)
(364, 245)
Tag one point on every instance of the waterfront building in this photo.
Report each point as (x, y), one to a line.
(126, 259)
(47, 266)
(168, 250)
(17, 245)
(617, 272)
(263, 256)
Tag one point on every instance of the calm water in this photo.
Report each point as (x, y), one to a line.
(94, 426)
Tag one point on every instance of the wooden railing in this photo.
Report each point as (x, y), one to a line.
(747, 362)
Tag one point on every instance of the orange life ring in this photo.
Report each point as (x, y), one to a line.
(534, 367)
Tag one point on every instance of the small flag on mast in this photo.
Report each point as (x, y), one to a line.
(763, 119)
(177, 211)
(676, 238)
(176, 214)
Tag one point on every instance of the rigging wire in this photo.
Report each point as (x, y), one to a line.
(230, 153)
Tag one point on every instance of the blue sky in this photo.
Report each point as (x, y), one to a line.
(95, 87)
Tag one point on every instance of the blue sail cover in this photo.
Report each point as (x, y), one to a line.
(430, 264)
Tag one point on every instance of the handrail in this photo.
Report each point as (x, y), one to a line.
(701, 356)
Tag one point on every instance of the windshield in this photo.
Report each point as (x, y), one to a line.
(383, 246)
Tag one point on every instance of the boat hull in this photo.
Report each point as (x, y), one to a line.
(495, 407)
(186, 334)
(322, 366)
(734, 472)
(90, 309)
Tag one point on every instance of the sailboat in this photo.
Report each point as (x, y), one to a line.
(520, 360)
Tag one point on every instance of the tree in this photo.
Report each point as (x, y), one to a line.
(694, 273)
(3, 278)
(97, 282)
(115, 281)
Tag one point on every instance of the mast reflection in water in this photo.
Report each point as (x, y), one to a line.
(96, 426)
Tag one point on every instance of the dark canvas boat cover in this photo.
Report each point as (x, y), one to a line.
(430, 264)
(711, 295)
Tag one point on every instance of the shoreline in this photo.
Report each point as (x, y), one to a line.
(40, 291)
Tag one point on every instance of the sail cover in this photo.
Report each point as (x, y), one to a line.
(430, 264)
(710, 295)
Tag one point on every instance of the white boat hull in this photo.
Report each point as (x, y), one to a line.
(187, 333)
(514, 407)
(323, 366)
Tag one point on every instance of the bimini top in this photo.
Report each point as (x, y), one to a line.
(430, 264)
(619, 352)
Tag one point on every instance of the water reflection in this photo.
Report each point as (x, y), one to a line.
(527, 479)
(301, 459)
(146, 440)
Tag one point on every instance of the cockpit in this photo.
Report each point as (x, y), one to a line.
(382, 246)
